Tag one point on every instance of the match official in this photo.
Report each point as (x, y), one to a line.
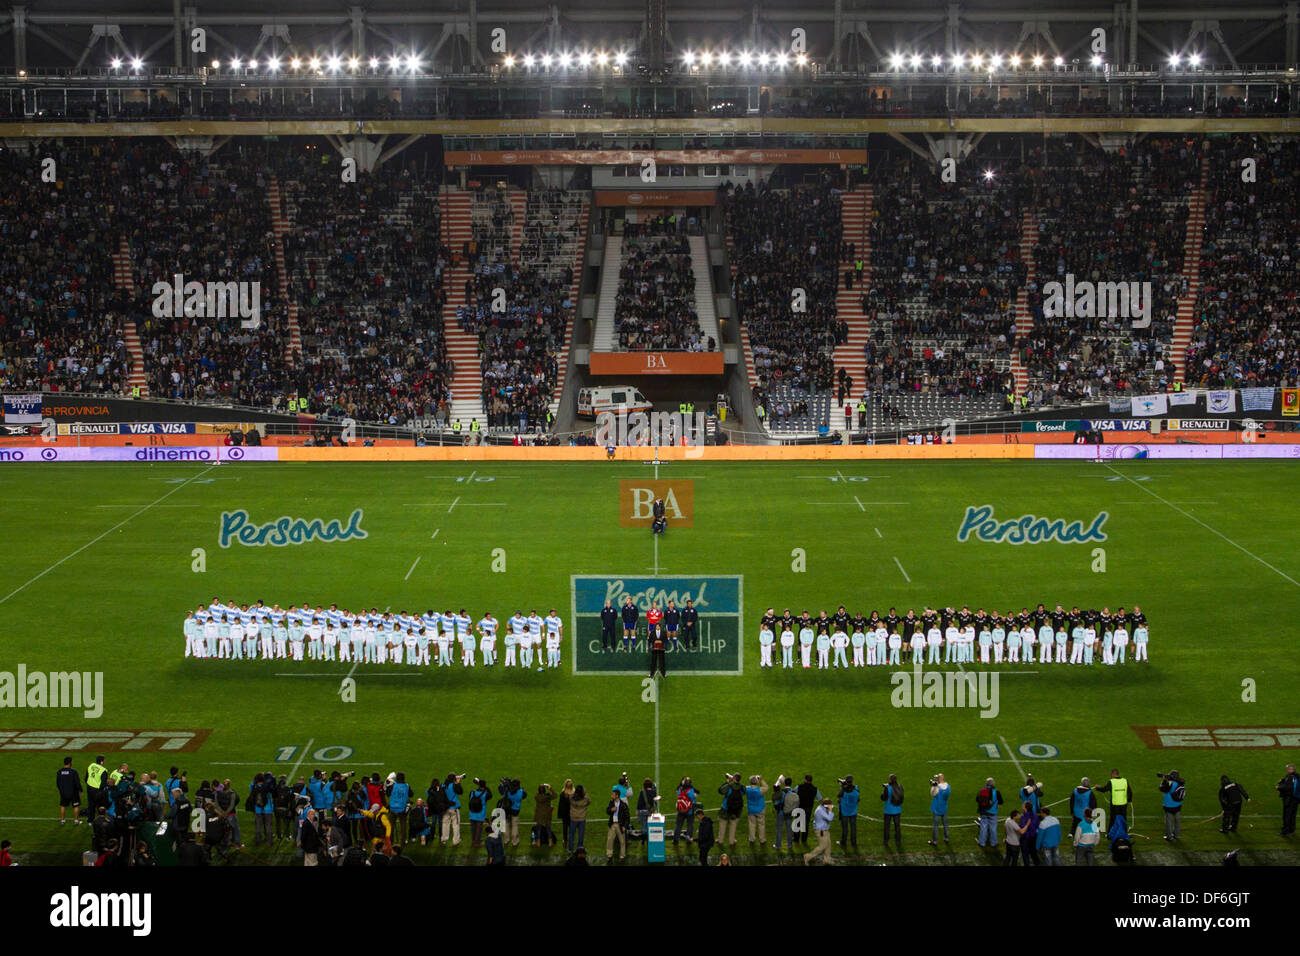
(657, 656)
(690, 625)
(608, 625)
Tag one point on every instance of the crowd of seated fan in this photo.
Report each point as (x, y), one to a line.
(61, 317)
(1109, 217)
(552, 225)
(783, 240)
(518, 346)
(945, 267)
(655, 305)
(209, 222)
(368, 262)
(1247, 310)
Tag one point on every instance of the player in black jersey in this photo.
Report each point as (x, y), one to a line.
(910, 624)
(964, 616)
(769, 620)
(672, 620)
(981, 620)
(787, 621)
(859, 623)
(874, 621)
(823, 625)
(841, 619)
(1137, 618)
(1040, 617)
(892, 621)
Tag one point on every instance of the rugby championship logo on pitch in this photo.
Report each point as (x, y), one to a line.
(717, 597)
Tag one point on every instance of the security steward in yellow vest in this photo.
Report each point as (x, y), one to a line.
(1117, 787)
(95, 774)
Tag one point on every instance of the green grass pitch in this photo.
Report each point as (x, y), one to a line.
(1191, 542)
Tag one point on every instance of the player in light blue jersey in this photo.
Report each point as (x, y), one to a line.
(445, 638)
(487, 629)
(432, 621)
(517, 633)
(534, 641)
(554, 637)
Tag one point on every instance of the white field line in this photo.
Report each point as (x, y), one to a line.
(127, 519)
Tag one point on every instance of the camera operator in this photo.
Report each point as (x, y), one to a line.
(1175, 792)
(891, 795)
(940, 791)
(733, 805)
(756, 807)
(512, 797)
(850, 795)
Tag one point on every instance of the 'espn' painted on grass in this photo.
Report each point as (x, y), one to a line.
(949, 689)
(1029, 529)
(285, 530)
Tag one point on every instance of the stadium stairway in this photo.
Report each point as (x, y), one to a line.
(1024, 321)
(1185, 322)
(519, 211)
(280, 229)
(855, 222)
(704, 289)
(462, 348)
(602, 336)
(562, 353)
(123, 280)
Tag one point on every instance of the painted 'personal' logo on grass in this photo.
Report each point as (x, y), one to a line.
(1029, 529)
(947, 689)
(286, 530)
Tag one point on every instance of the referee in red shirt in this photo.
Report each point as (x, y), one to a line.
(655, 634)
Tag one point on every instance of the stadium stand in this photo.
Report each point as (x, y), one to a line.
(64, 325)
(1247, 320)
(655, 302)
(367, 264)
(782, 240)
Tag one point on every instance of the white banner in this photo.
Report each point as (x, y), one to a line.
(1182, 398)
(23, 409)
(1150, 404)
(1221, 402)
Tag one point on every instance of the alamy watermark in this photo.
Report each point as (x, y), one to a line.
(653, 428)
(80, 690)
(209, 300)
(947, 689)
(1089, 300)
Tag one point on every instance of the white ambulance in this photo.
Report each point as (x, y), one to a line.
(613, 398)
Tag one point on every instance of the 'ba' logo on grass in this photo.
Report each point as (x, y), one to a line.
(235, 527)
(636, 500)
